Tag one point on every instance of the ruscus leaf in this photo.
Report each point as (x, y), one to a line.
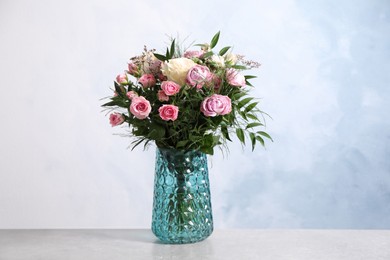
(214, 41)
(244, 102)
(251, 125)
(253, 140)
(240, 135)
(250, 107)
(172, 52)
(224, 50)
(160, 57)
(265, 135)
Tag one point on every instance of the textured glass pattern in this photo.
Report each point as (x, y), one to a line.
(181, 205)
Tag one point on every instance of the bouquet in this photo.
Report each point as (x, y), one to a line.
(188, 99)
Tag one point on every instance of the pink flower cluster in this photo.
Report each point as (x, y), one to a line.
(169, 78)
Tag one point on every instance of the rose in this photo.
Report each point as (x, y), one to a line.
(140, 107)
(198, 75)
(193, 54)
(234, 78)
(219, 61)
(121, 78)
(132, 69)
(131, 94)
(176, 69)
(151, 65)
(116, 119)
(147, 80)
(170, 88)
(216, 105)
(162, 96)
(168, 112)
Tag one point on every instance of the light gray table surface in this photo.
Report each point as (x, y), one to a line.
(88, 244)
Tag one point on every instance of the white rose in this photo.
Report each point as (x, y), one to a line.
(230, 58)
(176, 69)
(218, 60)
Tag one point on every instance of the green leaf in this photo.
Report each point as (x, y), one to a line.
(224, 50)
(261, 140)
(120, 90)
(265, 135)
(207, 150)
(251, 125)
(244, 102)
(248, 83)
(250, 77)
(240, 135)
(239, 95)
(202, 45)
(225, 133)
(109, 104)
(243, 115)
(182, 144)
(146, 143)
(160, 57)
(216, 120)
(172, 52)
(208, 140)
(250, 107)
(216, 139)
(253, 140)
(167, 54)
(156, 132)
(138, 143)
(253, 117)
(117, 101)
(208, 54)
(214, 41)
(239, 67)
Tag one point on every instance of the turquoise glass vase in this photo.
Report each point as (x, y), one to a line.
(181, 204)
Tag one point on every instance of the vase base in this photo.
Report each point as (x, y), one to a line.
(181, 240)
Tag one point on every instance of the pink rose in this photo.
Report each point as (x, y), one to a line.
(116, 119)
(140, 107)
(216, 105)
(198, 75)
(170, 88)
(162, 96)
(234, 78)
(132, 68)
(121, 78)
(193, 54)
(131, 94)
(147, 80)
(168, 112)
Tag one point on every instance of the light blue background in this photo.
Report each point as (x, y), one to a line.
(324, 78)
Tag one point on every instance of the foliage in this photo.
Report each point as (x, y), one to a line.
(194, 128)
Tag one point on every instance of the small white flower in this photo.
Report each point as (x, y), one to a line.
(218, 60)
(230, 58)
